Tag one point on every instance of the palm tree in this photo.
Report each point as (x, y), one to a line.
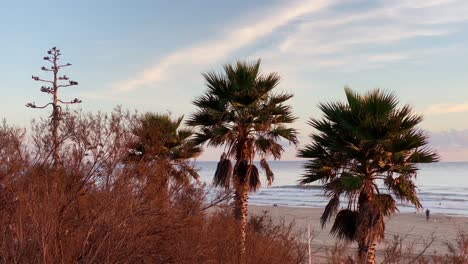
(160, 140)
(241, 112)
(365, 151)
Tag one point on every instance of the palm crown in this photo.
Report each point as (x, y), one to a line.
(240, 111)
(365, 150)
(159, 138)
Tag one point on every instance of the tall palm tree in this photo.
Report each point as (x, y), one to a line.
(160, 140)
(365, 151)
(241, 112)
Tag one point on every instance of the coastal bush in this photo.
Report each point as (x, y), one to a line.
(401, 250)
(457, 251)
(95, 209)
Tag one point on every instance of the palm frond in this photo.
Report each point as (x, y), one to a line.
(318, 170)
(268, 172)
(240, 171)
(330, 209)
(404, 189)
(386, 203)
(350, 183)
(424, 155)
(254, 178)
(266, 83)
(344, 227)
(279, 98)
(205, 118)
(406, 118)
(268, 146)
(379, 103)
(217, 85)
(346, 183)
(354, 99)
(281, 131)
(223, 174)
(246, 173)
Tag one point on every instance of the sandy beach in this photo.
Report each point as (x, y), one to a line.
(412, 227)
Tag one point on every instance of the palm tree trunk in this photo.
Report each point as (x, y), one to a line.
(371, 254)
(241, 214)
(366, 253)
(241, 196)
(366, 228)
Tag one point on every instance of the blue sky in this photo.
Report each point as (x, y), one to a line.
(149, 55)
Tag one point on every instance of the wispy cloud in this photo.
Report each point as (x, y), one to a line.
(383, 25)
(447, 108)
(221, 47)
(372, 36)
(331, 38)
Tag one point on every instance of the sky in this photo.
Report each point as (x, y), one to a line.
(149, 55)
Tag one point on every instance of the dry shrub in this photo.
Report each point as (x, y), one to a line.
(266, 242)
(338, 253)
(269, 242)
(400, 251)
(48, 225)
(457, 251)
(95, 208)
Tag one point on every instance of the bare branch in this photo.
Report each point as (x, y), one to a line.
(46, 69)
(219, 199)
(74, 101)
(427, 244)
(41, 80)
(71, 83)
(48, 59)
(47, 89)
(33, 105)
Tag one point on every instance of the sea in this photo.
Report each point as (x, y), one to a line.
(442, 187)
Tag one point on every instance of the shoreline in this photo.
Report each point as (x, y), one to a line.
(321, 208)
(413, 228)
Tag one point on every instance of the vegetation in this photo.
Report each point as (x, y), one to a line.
(401, 250)
(241, 112)
(52, 89)
(123, 187)
(365, 150)
(160, 140)
(94, 210)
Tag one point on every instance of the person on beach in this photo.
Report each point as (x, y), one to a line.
(428, 213)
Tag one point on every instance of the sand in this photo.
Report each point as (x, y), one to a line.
(412, 227)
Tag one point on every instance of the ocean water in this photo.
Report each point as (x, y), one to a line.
(442, 187)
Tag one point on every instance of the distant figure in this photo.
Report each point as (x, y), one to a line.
(428, 214)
